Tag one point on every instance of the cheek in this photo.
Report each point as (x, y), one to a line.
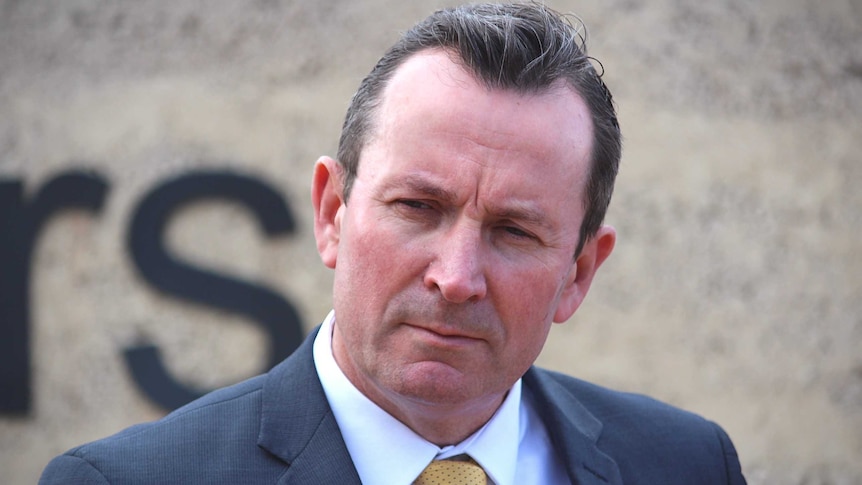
(527, 309)
(526, 294)
(375, 256)
(373, 265)
(525, 342)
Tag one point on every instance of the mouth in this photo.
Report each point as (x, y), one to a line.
(444, 336)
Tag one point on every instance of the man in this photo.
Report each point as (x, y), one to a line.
(462, 218)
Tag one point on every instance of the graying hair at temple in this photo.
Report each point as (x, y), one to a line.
(522, 47)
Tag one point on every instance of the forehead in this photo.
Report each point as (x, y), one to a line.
(431, 100)
(434, 80)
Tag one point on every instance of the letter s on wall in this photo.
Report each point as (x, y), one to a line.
(185, 281)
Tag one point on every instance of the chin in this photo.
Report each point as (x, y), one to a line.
(435, 383)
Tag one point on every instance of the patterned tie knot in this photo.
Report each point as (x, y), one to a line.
(452, 472)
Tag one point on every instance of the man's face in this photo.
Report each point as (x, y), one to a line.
(455, 251)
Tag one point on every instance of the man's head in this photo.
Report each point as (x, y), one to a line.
(526, 48)
(454, 255)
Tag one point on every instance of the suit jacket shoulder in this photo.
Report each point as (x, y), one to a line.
(196, 438)
(629, 438)
(274, 428)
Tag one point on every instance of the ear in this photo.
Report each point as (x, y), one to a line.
(327, 199)
(594, 253)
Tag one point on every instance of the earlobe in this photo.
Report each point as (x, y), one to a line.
(594, 253)
(326, 197)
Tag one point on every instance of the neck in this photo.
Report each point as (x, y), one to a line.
(441, 424)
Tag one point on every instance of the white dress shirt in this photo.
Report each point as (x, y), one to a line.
(513, 447)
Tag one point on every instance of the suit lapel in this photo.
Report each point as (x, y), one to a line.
(297, 424)
(573, 430)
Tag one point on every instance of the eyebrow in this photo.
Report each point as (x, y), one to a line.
(514, 211)
(522, 212)
(423, 186)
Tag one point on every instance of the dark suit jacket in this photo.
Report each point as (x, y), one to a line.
(278, 428)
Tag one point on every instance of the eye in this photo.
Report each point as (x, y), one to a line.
(416, 210)
(413, 204)
(517, 232)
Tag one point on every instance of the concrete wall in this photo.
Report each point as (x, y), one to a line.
(734, 290)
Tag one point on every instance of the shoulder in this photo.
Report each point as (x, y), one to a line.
(643, 435)
(613, 408)
(224, 423)
(229, 412)
(219, 438)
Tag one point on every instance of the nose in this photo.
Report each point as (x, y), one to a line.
(457, 269)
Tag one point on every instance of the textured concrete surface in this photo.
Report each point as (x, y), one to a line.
(733, 292)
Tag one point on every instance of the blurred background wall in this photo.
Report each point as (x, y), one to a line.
(734, 290)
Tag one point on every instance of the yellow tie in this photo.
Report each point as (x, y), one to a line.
(452, 472)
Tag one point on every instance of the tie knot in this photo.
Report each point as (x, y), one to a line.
(452, 472)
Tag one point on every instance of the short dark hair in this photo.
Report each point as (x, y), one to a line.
(523, 47)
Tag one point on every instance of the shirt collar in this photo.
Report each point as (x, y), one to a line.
(384, 450)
